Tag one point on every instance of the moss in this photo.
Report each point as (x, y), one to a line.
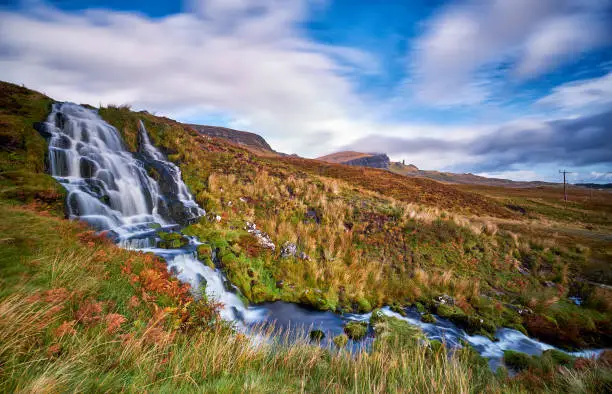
(428, 318)
(341, 340)
(171, 240)
(204, 251)
(398, 308)
(363, 305)
(356, 330)
(518, 361)
(558, 357)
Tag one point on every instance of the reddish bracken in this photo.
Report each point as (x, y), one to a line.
(66, 328)
(57, 295)
(90, 312)
(114, 322)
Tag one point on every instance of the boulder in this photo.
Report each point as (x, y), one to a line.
(289, 249)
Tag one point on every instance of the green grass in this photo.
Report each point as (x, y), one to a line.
(79, 314)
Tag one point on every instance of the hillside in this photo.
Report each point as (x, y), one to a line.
(462, 179)
(78, 313)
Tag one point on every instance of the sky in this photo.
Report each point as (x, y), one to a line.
(508, 88)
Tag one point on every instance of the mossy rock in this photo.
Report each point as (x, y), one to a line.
(171, 240)
(518, 361)
(204, 251)
(316, 335)
(341, 340)
(377, 315)
(315, 299)
(363, 305)
(420, 307)
(428, 318)
(558, 357)
(398, 308)
(356, 330)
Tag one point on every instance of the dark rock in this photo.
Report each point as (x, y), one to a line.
(87, 167)
(280, 284)
(43, 129)
(202, 282)
(375, 161)
(317, 335)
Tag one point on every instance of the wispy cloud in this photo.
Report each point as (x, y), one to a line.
(526, 37)
(591, 94)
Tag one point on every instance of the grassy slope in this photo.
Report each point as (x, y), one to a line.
(373, 238)
(80, 314)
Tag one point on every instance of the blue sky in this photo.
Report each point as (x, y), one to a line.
(511, 88)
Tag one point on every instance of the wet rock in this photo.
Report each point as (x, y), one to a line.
(238, 313)
(87, 167)
(289, 249)
(202, 282)
(174, 270)
(317, 335)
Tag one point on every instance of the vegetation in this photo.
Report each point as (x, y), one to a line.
(356, 330)
(79, 314)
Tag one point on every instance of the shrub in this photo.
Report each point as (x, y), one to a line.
(341, 340)
(356, 330)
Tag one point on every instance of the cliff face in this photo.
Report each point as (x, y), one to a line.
(251, 140)
(375, 161)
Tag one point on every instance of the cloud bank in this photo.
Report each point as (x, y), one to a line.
(583, 141)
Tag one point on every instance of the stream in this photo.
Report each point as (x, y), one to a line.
(113, 190)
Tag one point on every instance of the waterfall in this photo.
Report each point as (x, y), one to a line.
(109, 187)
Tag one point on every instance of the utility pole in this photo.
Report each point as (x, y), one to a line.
(564, 184)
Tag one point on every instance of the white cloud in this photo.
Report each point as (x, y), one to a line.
(248, 60)
(519, 175)
(593, 93)
(531, 36)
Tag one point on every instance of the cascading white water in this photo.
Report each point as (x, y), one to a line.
(110, 188)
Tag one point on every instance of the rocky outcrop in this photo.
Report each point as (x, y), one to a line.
(245, 138)
(374, 160)
(380, 160)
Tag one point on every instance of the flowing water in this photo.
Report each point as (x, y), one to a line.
(115, 190)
